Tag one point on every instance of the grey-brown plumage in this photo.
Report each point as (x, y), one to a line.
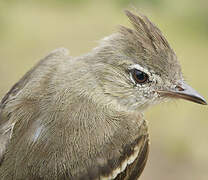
(82, 118)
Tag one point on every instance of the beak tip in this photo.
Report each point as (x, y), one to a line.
(190, 94)
(204, 102)
(199, 99)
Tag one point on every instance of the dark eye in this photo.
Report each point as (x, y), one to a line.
(139, 76)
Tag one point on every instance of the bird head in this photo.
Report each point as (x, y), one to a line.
(137, 67)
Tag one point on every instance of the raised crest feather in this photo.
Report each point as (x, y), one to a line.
(145, 32)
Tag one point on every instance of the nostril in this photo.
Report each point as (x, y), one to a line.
(179, 88)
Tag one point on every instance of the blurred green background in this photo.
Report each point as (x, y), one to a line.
(30, 29)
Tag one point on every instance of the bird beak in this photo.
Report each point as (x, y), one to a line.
(184, 91)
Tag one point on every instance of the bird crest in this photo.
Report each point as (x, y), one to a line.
(145, 33)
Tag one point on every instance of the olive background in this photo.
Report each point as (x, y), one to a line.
(30, 29)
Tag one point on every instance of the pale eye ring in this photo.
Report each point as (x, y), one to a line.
(139, 76)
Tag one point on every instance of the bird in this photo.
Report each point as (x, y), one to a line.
(83, 117)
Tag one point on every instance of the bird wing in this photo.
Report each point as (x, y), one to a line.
(128, 166)
(6, 121)
(134, 170)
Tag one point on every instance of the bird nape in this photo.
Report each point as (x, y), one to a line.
(82, 117)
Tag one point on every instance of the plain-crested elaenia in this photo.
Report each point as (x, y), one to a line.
(82, 117)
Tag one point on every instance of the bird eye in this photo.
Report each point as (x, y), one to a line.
(139, 76)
